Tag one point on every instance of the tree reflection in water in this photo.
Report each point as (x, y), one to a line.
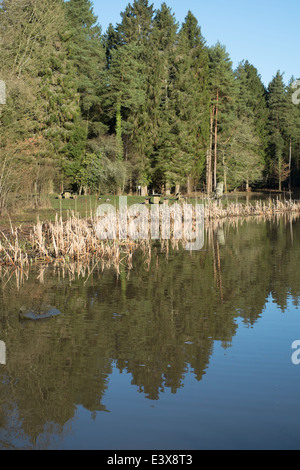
(154, 319)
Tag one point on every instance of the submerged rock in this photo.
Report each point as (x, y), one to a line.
(44, 311)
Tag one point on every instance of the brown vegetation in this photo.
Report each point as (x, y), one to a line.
(77, 239)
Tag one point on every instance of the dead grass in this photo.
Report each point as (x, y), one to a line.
(76, 239)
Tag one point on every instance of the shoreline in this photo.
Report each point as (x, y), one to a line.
(76, 239)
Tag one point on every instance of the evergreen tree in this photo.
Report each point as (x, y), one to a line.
(111, 40)
(188, 105)
(292, 133)
(246, 163)
(129, 68)
(86, 52)
(248, 141)
(278, 107)
(222, 110)
(41, 105)
(252, 100)
(159, 80)
(136, 23)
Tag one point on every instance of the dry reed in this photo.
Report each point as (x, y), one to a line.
(77, 239)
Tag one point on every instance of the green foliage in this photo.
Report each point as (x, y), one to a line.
(278, 109)
(101, 174)
(246, 163)
(247, 145)
(149, 97)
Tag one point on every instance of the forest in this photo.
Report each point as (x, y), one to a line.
(146, 103)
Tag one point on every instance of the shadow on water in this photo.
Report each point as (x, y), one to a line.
(154, 322)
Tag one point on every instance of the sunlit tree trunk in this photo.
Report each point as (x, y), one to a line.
(216, 141)
(209, 155)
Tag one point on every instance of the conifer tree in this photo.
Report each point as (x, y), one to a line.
(159, 82)
(183, 143)
(111, 40)
(246, 164)
(222, 107)
(195, 98)
(292, 132)
(41, 105)
(252, 99)
(278, 108)
(248, 140)
(86, 52)
(128, 69)
(136, 23)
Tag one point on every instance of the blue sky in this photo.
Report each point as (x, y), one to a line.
(265, 32)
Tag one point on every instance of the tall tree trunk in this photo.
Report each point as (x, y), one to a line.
(224, 173)
(130, 187)
(119, 141)
(209, 155)
(279, 172)
(144, 191)
(290, 165)
(189, 189)
(216, 141)
(168, 189)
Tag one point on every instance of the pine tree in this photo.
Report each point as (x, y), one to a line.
(278, 107)
(252, 100)
(248, 141)
(136, 23)
(123, 98)
(184, 140)
(292, 133)
(111, 40)
(86, 52)
(195, 99)
(60, 117)
(159, 80)
(246, 164)
(128, 69)
(222, 108)
(41, 97)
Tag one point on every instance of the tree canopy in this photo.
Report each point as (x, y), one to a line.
(148, 99)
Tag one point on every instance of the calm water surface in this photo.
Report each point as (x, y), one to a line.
(184, 351)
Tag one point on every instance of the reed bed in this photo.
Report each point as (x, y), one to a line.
(77, 239)
(215, 210)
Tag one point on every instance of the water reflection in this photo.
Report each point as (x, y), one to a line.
(155, 322)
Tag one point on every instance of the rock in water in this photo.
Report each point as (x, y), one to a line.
(45, 311)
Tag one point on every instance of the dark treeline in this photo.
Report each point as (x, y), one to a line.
(146, 103)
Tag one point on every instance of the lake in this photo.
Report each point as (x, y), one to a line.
(186, 350)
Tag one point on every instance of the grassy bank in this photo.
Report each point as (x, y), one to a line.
(85, 206)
